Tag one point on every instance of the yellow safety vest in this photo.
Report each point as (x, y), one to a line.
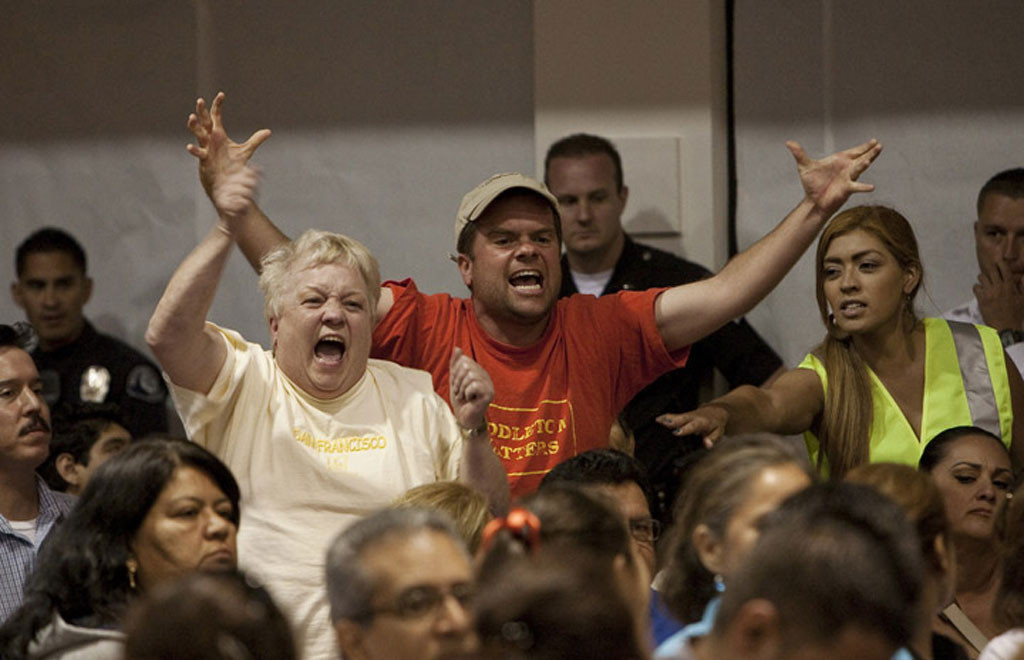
(965, 384)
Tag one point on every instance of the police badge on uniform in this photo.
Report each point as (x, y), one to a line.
(144, 383)
(95, 384)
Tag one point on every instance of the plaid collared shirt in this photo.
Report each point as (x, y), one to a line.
(18, 554)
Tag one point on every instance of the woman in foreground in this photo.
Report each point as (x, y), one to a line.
(154, 512)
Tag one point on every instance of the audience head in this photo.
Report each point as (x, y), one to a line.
(836, 573)
(876, 227)
(85, 439)
(508, 237)
(154, 512)
(52, 286)
(972, 470)
(490, 198)
(555, 608)
(467, 508)
(576, 522)
(399, 582)
(585, 173)
(24, 415)
(321, 292)
(225, 616)
(717, 516)
(563, 522)
(1009, 605)
(1000, 225)
(581, 145)
(623, 481)
(916, 493)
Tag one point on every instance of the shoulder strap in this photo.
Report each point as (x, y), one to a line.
(981, 395)
(965, 626)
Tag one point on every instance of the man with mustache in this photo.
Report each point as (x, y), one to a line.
(999, 241)
(28, 508)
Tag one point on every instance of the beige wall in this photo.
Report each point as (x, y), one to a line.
(642, 69)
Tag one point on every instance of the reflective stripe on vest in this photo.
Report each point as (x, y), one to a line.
(981, 395)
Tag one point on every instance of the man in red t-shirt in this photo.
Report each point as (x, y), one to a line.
(562, 369)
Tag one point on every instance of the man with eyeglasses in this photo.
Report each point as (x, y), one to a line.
(398, 582)
(621, 479)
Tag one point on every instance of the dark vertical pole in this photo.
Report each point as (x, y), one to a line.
(730, 119)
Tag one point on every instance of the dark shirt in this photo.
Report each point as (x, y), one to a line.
(736, 350)
(123, 376)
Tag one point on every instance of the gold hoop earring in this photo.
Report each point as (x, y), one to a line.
(133, 567)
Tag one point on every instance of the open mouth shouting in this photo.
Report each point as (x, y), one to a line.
(527, 281)
(330, 349)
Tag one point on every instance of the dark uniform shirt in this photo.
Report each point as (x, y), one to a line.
(97, 368)
(736, 350)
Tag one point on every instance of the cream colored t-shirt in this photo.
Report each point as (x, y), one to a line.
(308, 467)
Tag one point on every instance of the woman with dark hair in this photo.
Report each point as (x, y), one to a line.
(578, 531)
(555, 609)
(729, 491)
(971, 469)
(883, 383)
(157, 510)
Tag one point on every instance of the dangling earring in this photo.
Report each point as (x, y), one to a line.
(719, 583)
(133, 567)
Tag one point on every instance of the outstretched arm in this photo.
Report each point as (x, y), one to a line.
(191, 354)
(219, 157)
(689, 312)
(471, 391)
(789, 405)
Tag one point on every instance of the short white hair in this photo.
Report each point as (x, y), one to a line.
(314, 248)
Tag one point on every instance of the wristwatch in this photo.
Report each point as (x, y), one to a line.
(1010, 337)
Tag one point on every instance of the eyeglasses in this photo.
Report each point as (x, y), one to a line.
(422, 601)
(645, 530)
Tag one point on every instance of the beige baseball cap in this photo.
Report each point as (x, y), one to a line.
(478, 199)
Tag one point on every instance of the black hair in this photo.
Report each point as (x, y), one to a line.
(833, 555)
(938, 447)
(226, 615)
(1008, 183)
(16, 335)
(584, 144)
(76, 428)
(49, 239)
(572, 522)
(600, 466)
(81, 570)
(555, 608)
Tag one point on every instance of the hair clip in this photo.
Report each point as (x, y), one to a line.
(521, 523)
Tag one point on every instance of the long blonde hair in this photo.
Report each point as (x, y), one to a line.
(845, 428)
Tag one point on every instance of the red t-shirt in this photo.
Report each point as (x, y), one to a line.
(553, 399)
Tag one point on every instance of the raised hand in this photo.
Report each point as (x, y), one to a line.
(708, 421)
(1000, 296)
(470, 389)
(235, 192)
(830, 181)
(219, 156)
